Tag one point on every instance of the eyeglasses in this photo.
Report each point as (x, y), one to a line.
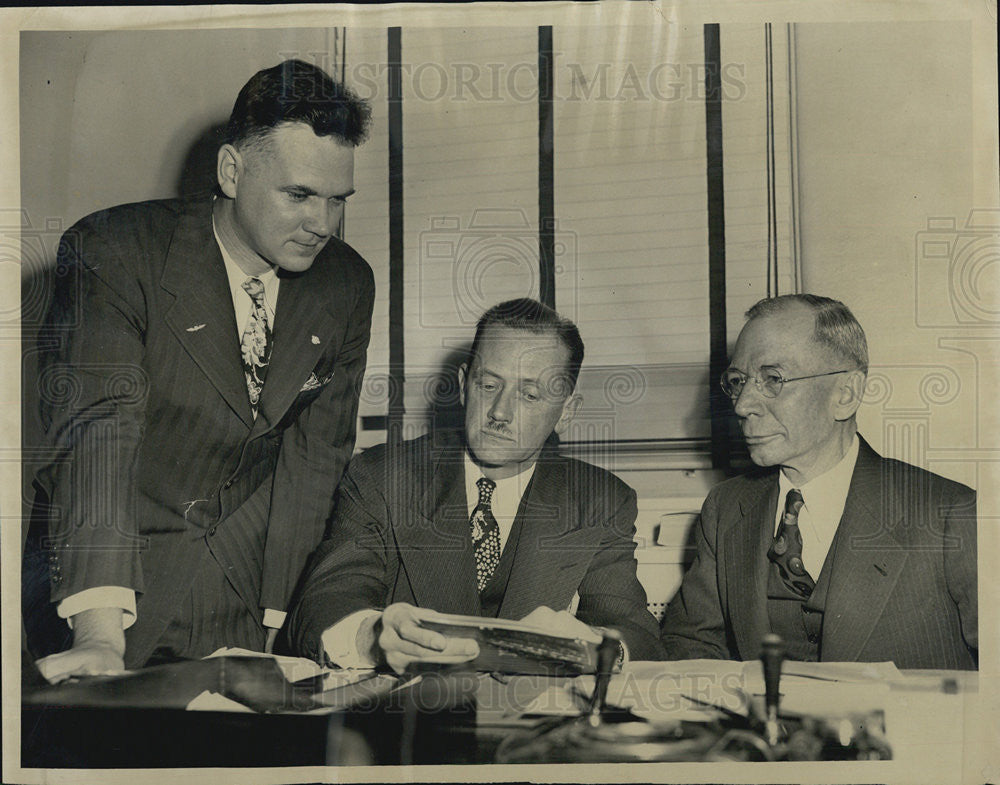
(768, 384)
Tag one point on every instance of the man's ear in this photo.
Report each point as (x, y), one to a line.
(228, 166)
(570, 406)
(463, 371)
(848, 395)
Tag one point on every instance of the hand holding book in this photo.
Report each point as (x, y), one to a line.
(543, 642)
(401, 639)
(408, 638)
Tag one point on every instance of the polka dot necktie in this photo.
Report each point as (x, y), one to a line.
(255, 346)
(786, 550)
(485, 534)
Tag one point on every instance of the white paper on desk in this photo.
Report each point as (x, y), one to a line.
(676, 690)
(298, 668)
(851, 672)
(292, 668)
(679, 689)
(827, 688)
(561, 701)
(213, 701)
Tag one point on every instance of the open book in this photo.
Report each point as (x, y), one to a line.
(507, 646)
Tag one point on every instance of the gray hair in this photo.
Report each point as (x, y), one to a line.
(835, 327)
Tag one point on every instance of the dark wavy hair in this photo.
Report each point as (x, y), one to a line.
(296, 92)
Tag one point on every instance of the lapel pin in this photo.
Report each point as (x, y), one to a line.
(881, 568)
(315, 340)
(195, 328)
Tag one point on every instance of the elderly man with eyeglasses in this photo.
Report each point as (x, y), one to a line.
(849, 556)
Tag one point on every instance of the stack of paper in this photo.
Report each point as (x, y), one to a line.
(699, 689)
(827, 688)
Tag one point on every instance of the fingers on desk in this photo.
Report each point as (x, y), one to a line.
(80, 661)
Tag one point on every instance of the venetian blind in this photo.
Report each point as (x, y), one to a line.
(631, 235)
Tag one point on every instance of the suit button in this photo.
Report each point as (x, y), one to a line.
(56, 578)
(211, 532)
(813, 637)
(229, 484)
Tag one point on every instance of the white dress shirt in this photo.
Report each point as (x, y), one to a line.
(823, 499)
(340, 640)
(121, 596)
(506, 496)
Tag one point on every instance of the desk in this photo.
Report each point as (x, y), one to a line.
(140, 721)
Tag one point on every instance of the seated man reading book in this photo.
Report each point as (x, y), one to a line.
(488, 522)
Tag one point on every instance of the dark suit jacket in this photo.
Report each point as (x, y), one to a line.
(400, 533)
(156, 452)
(902, 577)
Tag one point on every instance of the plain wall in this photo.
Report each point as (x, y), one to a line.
(885, 144)
(85, 113)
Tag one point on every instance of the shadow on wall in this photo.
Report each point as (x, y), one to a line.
(444, 409)
(197, 174)
(39, 276)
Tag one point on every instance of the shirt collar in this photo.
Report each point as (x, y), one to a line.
(235, 272)
(829, 490)
(506, 496)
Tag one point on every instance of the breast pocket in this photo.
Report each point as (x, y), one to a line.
(315, 382)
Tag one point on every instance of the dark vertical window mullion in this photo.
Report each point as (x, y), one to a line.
(397, 373)
(720, 406)
(546, 180)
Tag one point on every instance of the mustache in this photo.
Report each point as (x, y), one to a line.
(498, 428)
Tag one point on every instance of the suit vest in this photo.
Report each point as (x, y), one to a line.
(798, 622)
(493, 593)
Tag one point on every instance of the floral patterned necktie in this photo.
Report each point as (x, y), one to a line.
(255, 345)
(786, 550)
(485, 534)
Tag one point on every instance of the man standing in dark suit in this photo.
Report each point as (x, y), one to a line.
(488, 522)
(200, 386)
(848, 556)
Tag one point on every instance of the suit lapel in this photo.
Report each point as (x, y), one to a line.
(436, 546)
(548, 544)
(202, 317)
(305, 325)
(868, 560)
(746, 565)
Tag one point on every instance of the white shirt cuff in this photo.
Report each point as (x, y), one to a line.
(341, 641)
(273, 618)
(99, 597)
